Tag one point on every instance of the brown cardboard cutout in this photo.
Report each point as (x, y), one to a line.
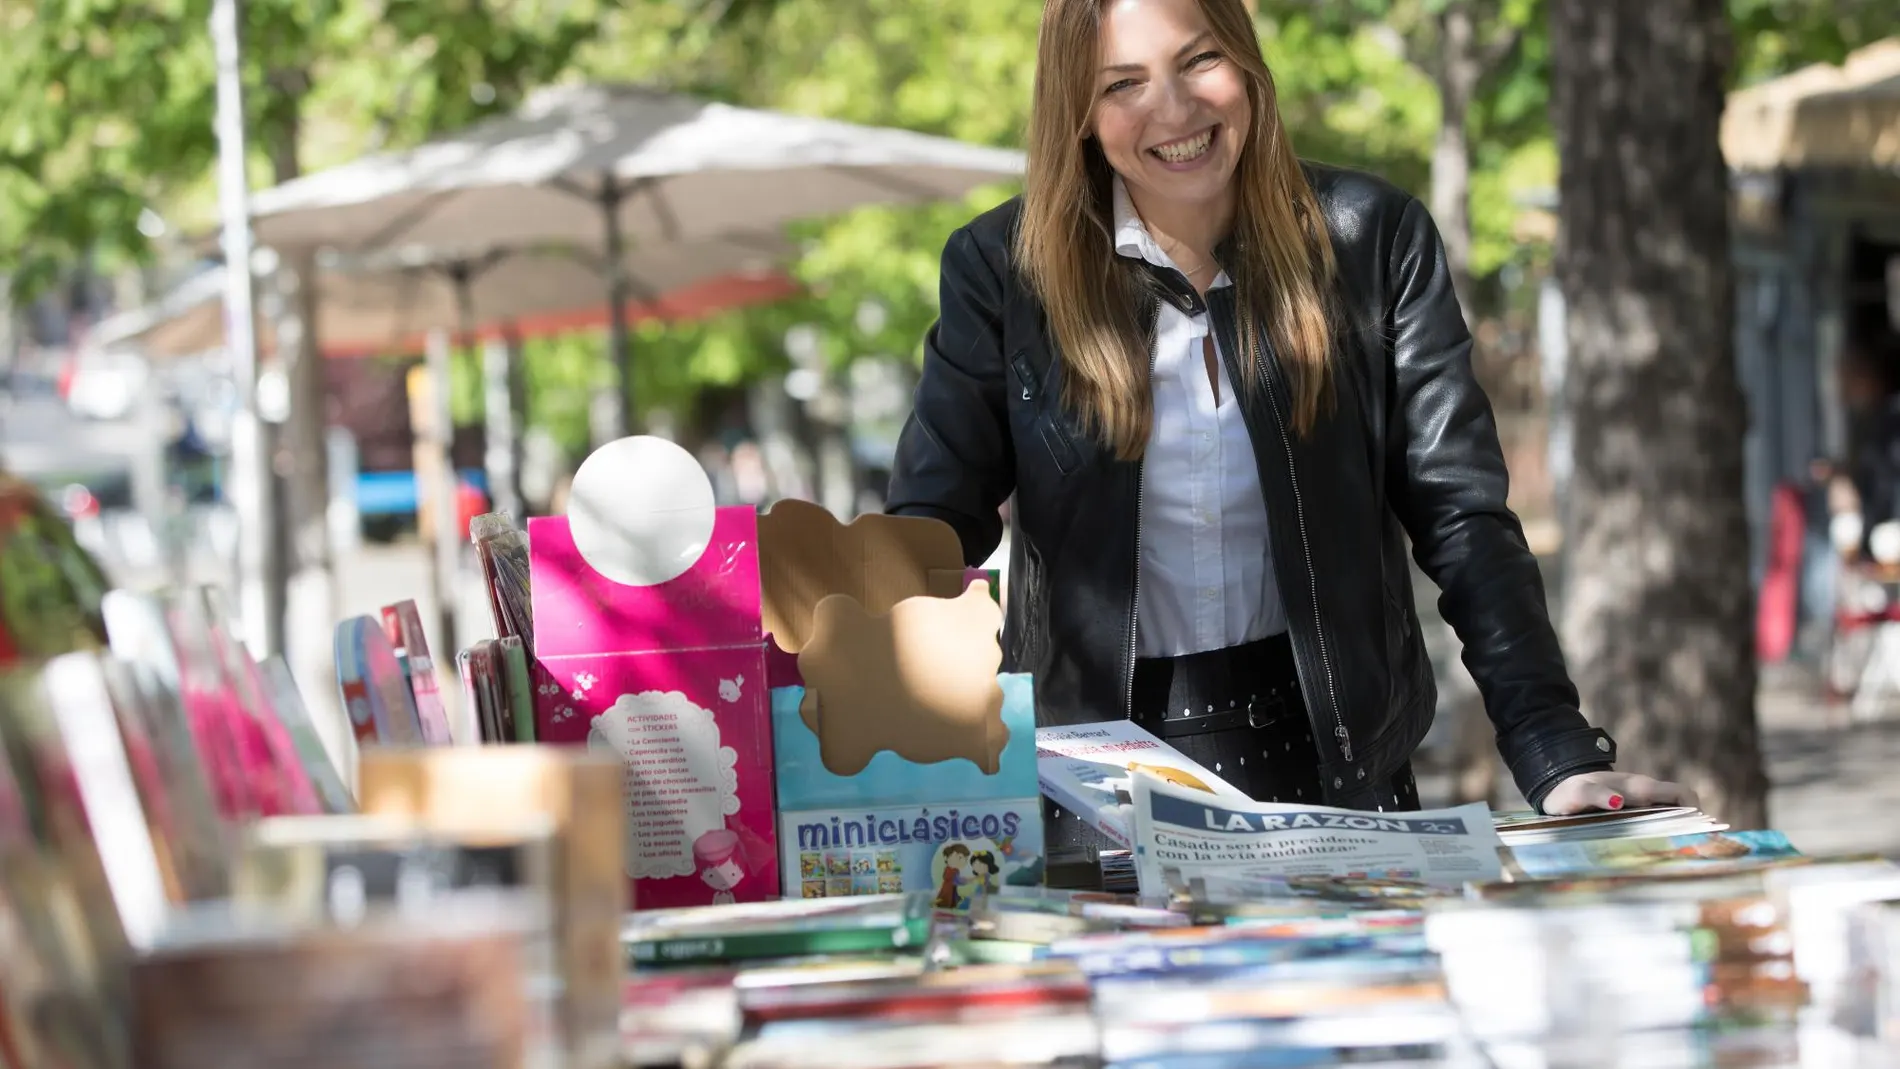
(919, 681)
(806, 555)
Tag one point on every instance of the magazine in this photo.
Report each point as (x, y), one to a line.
(1524, 828)
(1711, 850)
(1182, 833)
(1086, 769)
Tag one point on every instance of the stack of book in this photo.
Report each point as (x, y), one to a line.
(1527, 828)
(186, 878)
(500, 675)
(988, 1015)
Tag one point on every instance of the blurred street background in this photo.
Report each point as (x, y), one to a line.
(432, 342)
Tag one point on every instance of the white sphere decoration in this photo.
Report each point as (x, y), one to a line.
(641, 511)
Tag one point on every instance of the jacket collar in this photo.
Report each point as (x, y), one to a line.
(1133, 240)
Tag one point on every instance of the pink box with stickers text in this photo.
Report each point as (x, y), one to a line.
(671, 678)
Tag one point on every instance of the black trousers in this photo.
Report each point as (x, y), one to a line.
(1239, 713)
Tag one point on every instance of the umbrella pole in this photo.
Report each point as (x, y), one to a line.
(619, 293)
(499, 429)
(441, 489)
(503, 426)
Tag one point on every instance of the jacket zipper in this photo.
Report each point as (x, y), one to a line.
(1134, 606)
(1312, 576)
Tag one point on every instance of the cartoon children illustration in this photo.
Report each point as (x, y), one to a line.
(955, 856)
(983, 870)
(716, 855)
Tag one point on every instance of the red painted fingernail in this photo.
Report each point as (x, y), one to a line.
(1616, 801)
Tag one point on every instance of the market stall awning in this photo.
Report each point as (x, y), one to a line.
(1820, 116)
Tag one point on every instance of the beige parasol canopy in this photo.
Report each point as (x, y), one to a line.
(388, 305)
(1820, 116)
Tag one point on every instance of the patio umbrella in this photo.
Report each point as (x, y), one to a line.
(390, 303)
(394, 302)
(604, 167)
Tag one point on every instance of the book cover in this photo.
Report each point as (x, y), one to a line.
(286, 701)
(770, 930)
(1662, 854)
(403, 624)
(948, 829)
(519, 684)
(1086, 769)
(375, 691)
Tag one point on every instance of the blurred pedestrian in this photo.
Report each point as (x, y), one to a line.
(1821, 495)
(1158, 350)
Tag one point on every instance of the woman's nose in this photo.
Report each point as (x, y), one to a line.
(1173, 100)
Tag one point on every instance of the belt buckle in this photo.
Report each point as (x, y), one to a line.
(1258, 717)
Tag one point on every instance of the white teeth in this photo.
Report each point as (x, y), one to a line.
(1185, 151)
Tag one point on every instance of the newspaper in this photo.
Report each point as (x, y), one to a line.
(1182, 834)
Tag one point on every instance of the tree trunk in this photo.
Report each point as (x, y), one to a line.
(1459, 68)
(1456, 70)
(1656, 611)
(304, 446)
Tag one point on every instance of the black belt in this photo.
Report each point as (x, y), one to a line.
(1249, 686)
(1257, 713)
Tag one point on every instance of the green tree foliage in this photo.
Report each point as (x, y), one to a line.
(107, 106)
(106, 110)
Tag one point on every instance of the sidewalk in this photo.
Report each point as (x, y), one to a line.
(1836, 787)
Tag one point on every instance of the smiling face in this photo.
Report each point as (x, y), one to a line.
(1171, 111)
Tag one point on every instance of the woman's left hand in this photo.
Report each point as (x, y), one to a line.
(1613, 790)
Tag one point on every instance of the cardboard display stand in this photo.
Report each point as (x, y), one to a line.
(670, 679)
(648, 636)
(905, 762)
(661, 622)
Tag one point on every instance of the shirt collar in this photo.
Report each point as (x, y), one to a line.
(1133, 240)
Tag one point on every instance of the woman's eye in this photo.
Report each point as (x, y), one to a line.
(1119, 86)
(1205, 59)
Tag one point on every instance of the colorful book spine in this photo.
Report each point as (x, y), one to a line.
(403, 624)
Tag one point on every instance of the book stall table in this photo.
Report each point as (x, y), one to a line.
(738, 790)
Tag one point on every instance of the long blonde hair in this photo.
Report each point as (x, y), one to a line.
(1280, 256)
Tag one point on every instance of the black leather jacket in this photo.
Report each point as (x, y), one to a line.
(1410, 448)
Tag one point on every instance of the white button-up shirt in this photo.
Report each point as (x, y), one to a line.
(1206, 575)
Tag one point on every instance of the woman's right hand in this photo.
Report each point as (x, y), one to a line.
(1590, 791)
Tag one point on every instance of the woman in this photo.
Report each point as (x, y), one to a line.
(1224, 386)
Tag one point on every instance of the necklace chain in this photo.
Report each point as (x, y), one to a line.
(1190, 271)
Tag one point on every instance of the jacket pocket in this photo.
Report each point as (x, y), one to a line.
(1055, 437)
(1401, 618)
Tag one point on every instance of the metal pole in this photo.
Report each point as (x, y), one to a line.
(249, 483)
(447, 537)
(503, 431)
(619, 292)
